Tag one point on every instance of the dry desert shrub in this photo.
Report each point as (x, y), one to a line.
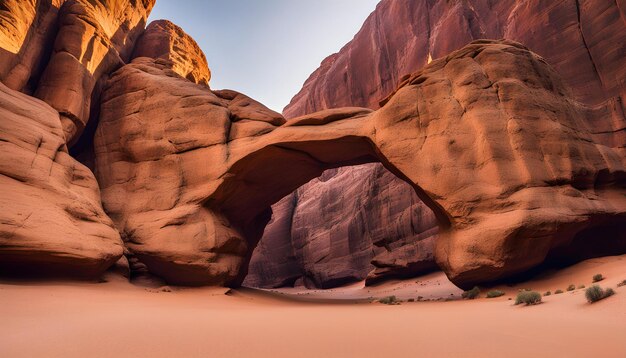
(471, 294)
(595, 293)
(389, 300)
(528, 298)
(495, 293)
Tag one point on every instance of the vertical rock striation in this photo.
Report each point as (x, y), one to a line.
(94, 38)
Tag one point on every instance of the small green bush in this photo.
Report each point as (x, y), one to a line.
(471, 294)
(557, 292)
(389, 300)
(547, 293)
(596, 293)
(623, 283)
(495, 293)
(598, 277)
(571, 288)
(528, 298)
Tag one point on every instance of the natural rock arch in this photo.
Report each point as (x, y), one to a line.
(489, 136)
(257, 180)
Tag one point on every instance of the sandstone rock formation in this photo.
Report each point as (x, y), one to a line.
(51, 220)
(27, 30)
(489, 137)
(172, 152)
(585, 40)
(164, 40)
(94, 38)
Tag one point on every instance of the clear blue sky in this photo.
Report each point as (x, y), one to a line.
(266, 48)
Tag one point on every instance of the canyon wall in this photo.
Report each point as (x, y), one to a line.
(585, 40)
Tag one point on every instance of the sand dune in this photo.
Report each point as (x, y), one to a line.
(68, 319)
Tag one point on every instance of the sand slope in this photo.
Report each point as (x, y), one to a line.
(121, 320)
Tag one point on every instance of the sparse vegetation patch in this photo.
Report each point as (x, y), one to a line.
(528, 298)
(595, 293)
(598, 277)
(471, 294)
(389, 300)
(495, 293)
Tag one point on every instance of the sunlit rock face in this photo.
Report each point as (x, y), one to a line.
(27, 31)
(93, 39)
(165, 40)
(584, 40)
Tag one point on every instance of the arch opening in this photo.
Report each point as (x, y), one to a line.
(259, 180)
(351, 224)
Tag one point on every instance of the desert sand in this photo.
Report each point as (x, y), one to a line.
(119, 319)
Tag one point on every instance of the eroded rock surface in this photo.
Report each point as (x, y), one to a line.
(164, 40)
(173, 150)
(27, 30)
(584, 40)
(489, 136)
(94, 38)
(51, 217)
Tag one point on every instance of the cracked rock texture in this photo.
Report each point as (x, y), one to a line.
(584, 40)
